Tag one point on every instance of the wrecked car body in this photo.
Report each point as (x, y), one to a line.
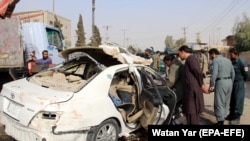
(96, 94)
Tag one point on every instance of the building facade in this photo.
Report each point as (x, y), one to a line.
(228, 41)
(47, 18)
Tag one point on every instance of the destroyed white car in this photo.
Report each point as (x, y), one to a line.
(97, 94)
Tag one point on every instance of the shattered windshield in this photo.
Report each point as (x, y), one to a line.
(70, 76)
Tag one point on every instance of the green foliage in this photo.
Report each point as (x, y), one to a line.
(96, 39)
(169, 42)
(81, 40)
(180, 42)
(198, 41)
(174, 44)
(58, 25)
(242, 34)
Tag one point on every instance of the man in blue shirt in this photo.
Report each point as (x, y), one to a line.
(45, 59)
(221, 83)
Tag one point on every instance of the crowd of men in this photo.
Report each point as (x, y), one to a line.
(186, 75)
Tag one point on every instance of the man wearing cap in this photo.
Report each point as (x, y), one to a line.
(147, 53)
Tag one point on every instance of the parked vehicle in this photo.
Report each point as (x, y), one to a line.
(98, 93)
(7, 8)
(18, 40)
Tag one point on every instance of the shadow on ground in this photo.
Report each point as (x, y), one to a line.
(207, 117)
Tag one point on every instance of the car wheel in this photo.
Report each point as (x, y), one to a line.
(106, 131)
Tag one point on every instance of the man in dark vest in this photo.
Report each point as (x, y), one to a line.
(238, 92)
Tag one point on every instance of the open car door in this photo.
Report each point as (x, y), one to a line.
(158, 101)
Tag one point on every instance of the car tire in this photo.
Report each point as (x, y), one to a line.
(108, 130)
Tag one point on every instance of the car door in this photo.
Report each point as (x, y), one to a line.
(157, 100)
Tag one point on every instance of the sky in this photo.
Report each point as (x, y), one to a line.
(147, 23)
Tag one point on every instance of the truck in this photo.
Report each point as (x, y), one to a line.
(7, 7)
(19, 40)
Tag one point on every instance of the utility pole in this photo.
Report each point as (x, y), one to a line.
(53, 6)
(198, 40)
(126, 42)
(124, 37)
(93, 17)
(106, 30)
(198, 35)
(184, 32)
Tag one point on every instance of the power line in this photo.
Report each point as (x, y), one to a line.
(221, 17)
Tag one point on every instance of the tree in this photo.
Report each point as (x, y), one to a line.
(198, 41)
(180, 42)
(81, 40)
(169, 42)
(96, 39)
(242, 34)
(58, 25)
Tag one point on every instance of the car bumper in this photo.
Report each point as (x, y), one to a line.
(23, 133)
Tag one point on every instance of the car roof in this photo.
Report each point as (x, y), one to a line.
(95, 52)
(107, 55)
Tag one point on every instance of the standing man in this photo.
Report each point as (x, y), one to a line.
(156, 62)
(45, 59)
(32, 62)
(193, 100)
(221, 83)
(238, 92)
(203, 63)
(147, 54)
